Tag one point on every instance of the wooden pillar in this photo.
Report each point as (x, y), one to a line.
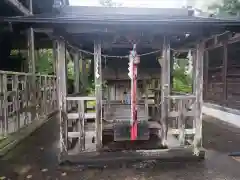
(197, 143)
(76, 72)
(31, 51)
(31, 45)
(165, 89)
(83, 75)
(171, 71)
(224, 73)
(32, 65)
(62, 92)
(54, 57)
(98, 92)
(206, 63)
(194, 56)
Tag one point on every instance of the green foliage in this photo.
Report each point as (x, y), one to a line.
(44, 61)
(182, 82)
(70, 70)
(231, 7)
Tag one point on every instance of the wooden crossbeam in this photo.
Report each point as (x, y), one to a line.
(18, 6)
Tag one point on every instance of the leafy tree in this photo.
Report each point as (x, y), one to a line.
(44, 61)
(182, 81)
(231, 7)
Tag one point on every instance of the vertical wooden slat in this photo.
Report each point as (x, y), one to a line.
(81, 124)
(32, 70)
(165, 89)
(26, 99)
(62, 92)
(5, 104)
(171, 72)
(206, 64)
(76, 72)
(194, 56)
(16, 103)
(98, 92)
(181, 121)
(197, 143)
(224, 72)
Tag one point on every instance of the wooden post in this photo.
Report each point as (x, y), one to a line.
(32, 64)
(81, 124)
(76, 72)
(54, 48)
(165, 89)
(16, 101)
(194, 56)
(98, 92)
(206, 62)
(171, 71)
(224, 73)
(83, 75)
(5, 103)
(197, 143)
(62, 92)
(181, 121)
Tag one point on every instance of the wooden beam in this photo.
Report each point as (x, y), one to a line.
(98, 92)
(62, 92)
(197, 144)
(224, 71)
(76, 72)
(165, 88)
(18, 6)
(206, 64)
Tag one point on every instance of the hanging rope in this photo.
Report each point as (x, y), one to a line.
(119, 57)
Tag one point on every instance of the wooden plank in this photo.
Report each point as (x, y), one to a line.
(181, 122)
(165, 88)
(86, 115)
(81, 124)
(62, 92)
(74, 135)
(224, 71)
(80, 98)
(197, 143)
(18, 6)
(186, 131)
(76, 72)
(98, 92)
(206, 69)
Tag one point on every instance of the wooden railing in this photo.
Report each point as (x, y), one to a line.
(25, 98)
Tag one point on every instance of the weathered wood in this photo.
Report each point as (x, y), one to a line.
(16, 102)
(98, 92)
(84, 75)
(194, 71)
(165, 89)
(5, 105)
(197, 143)
(32, 68)
(224, 72)
(18, 6)
(181, 121)
(76, 72)
(62, 92)
(81, 125)
(206, 59)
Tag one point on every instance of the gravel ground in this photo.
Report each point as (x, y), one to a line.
(36, 159)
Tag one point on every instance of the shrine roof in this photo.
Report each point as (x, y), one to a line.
(111, 15)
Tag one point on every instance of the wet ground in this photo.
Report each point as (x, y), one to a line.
(36, 159)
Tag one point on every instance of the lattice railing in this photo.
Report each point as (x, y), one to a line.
(25, 98)
(182, 116)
